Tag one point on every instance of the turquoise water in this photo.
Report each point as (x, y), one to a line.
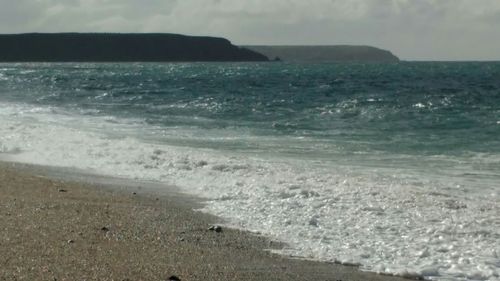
(409, 108)
(411, 127)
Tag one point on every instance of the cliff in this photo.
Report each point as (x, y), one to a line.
(113, 47)
(338, 53)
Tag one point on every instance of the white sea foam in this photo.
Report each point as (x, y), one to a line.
(387, 220)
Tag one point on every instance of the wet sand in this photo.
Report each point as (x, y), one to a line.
(61, 229)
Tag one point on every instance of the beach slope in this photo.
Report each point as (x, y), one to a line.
(53, 229)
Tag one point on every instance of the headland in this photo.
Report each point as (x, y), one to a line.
(120, 47)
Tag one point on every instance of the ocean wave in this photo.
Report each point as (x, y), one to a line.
(386, 221)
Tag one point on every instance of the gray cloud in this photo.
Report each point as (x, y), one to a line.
(413, 29)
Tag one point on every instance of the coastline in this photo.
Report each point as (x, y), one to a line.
(60, 227)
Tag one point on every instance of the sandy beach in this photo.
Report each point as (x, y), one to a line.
(53, 229)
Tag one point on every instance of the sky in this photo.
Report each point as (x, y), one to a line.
(411, 29)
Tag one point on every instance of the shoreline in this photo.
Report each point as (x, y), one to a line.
(81, 226)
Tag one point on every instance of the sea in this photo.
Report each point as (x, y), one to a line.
(392, 167)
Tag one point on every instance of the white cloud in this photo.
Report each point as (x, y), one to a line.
(421, 29)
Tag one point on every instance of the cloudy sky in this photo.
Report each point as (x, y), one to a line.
(411, 29)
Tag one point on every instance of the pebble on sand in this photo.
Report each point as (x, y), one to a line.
(215, 228)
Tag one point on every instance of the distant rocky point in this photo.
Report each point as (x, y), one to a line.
(336, 53)
(117, 47)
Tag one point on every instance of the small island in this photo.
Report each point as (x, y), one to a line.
(120, 47)
(317, 54)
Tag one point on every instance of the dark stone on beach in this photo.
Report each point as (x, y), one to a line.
(71, 241)
(173, 278)
(215, 228)
(134, 193)
(105, 229)
(62, 190)
(313, 222)
(201, 163)
(455, 205)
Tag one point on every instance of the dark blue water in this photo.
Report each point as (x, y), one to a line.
(406, 108)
